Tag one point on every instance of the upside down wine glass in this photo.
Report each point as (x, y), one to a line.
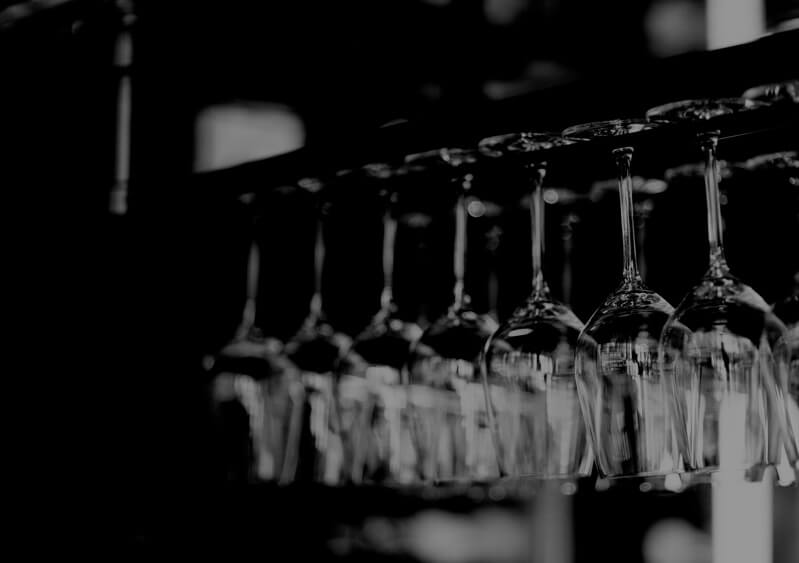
(716, 349)
(446, 405)
(253, 388)
(370, 389)
(529, 361)
(317, 453)
(621, 391)
(784, 167)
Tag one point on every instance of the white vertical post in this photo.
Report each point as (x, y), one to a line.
(742, 529)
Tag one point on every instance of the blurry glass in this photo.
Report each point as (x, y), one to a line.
(622, 393)
(371, 394)
(254, 391)
(446, 405)
(528, 369)
(785, 166)
(716, 349)
(317, 452)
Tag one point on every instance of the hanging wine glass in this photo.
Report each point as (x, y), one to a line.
(253, 388)
(529, 361)
(317, 453)
(716, 349)
(370, 390)
(622, 394)
(446, 404)
(783, 168)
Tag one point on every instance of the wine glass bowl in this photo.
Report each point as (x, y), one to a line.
(251, 372)
(529, 363)
(449, 419)
(623, 396)
(716, 352)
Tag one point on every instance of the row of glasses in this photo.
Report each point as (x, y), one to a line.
(521, 418)
(719, 383)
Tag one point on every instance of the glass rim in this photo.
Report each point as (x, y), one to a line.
(521, 142)
(736, 105)
(614, 128)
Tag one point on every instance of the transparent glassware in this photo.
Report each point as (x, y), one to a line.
(622, 394)
(787, 349)
(785, 166)
(716, 349)
(528, 363)
(317, 453)
(446, 407)
(371, 394)
(253, 391)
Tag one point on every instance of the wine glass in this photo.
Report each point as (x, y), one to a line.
(252, 389)
(529, 361)
(370, 390)
(446, 404)
(621, 391)
(317, 453)
(716, 348)
(782, 167)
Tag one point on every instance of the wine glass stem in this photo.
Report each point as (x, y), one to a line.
(537, 231)
(624, 157)
(460, 248)
(708, 142)
(389, 236)
(319, 262)
(253, 265)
